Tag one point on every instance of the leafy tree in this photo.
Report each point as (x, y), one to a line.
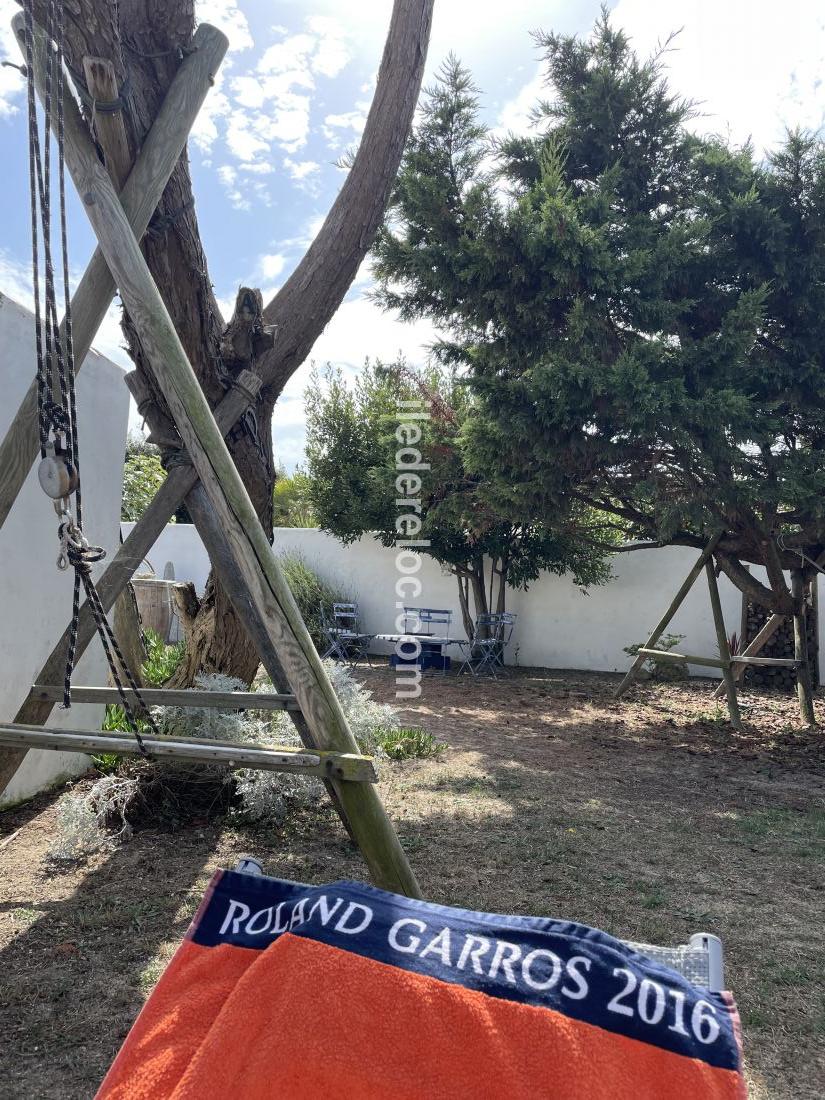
(638, 309)
(143, 475)
(291, 500)
(353, 439)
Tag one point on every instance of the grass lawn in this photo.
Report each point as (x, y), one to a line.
(650, 818)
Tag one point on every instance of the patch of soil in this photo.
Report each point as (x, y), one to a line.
(650, 818)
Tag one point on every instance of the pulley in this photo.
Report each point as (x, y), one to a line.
(57, 476)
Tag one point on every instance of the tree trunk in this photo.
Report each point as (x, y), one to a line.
(800, 638)
(143, 40)
(463, 600)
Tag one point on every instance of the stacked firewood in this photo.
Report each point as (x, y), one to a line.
(778, 677)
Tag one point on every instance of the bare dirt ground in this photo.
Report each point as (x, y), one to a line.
(650, 818)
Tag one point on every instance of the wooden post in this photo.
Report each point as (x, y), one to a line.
(234, 510)
(759, 642)
(140, 196)
(800, 649)
(110, 131)
(220, 556)
(663, 623)
(724, 648)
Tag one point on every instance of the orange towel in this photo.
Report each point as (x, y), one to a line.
(344, 990)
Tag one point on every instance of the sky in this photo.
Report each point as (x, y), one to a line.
(292, 97)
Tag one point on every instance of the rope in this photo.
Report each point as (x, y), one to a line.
(57, 414)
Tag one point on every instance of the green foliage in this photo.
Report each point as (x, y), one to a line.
(637, 308)
(161, 664)
(143, 475)
(353, 440)
(410, 743)
(310, 592)
(162, 660)
(658, 669)
(291, 501)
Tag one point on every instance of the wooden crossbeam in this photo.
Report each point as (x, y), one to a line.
(140, 196)
(689, 658)
(347, 767)
(169, 697)
(251, 550)
(788, 662)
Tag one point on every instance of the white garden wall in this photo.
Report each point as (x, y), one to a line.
(558, 626)
(35, 598)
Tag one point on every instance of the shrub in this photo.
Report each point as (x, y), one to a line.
(139, 790)
(661, 670)
(310, 591)
(162, 660)
(412, 743)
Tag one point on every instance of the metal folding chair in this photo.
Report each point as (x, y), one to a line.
(347, 643)
(484, 652)
(426, 620)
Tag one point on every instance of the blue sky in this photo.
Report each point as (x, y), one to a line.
(293, 94)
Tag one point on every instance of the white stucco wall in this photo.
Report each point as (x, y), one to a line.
(558, 626)
(35, 598)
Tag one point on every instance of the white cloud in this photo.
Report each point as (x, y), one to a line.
(272, 265)
(300, 169)
(514, 115)
(227, 16)
(12, 81)
(359, 329)
(332, 53)
(341, 128)
(754, 66)
(228, 175)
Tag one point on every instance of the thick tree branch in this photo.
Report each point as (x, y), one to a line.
(307, 301)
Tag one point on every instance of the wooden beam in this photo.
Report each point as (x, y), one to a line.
(754, 647)
(122, 567)
(724, 649)
(220, 556)
(804, 690)
(140, 197)
(343, 767)
(672, 608)
(788, 662)
(688, 658)
(252, 553)
(169, 697)
(109, 128)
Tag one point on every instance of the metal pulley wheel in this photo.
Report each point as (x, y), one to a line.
(57, 477)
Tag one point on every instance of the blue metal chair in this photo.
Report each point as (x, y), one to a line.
(484, 652)
(347, 642)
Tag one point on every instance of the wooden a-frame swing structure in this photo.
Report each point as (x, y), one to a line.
(205, 477)
(732, 666)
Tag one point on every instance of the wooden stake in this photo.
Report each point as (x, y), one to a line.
(800, 649)
(230, 500)
(140, 196)
(724, 648)
(663, 623)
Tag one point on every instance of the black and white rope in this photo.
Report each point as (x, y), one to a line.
(55, 354)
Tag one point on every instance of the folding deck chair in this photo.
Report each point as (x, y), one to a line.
(347, 643)
(504, 1005)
